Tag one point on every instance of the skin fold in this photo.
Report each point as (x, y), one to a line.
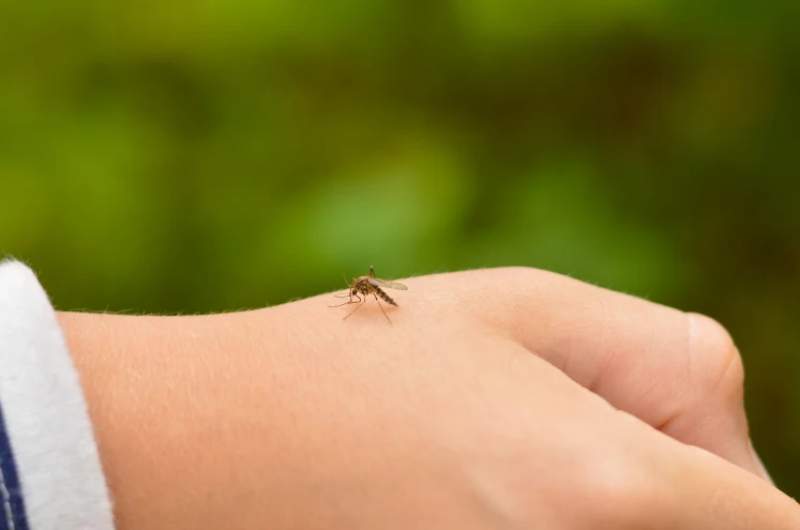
(496, 399)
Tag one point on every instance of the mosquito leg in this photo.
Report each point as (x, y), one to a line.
(382, 309)
(349, 301)
(360, 303)
(343, 303)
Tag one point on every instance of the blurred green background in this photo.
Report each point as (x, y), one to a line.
(214, 155)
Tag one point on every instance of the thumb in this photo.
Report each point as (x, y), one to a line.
(715, 417)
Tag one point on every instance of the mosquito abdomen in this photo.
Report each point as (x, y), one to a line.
(388, 299)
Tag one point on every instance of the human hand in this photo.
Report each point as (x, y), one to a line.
(484, 405)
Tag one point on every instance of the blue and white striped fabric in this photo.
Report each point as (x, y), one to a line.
(13, 505)
(50, 472)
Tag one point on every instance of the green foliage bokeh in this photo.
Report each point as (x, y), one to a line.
(204, 156)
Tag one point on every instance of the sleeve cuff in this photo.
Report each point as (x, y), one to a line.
(50, 472)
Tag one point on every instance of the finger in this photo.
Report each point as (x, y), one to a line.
(649, 480)
(632, 476)
(722, 494)
(717, 419)
(707, 492)
(678, 372)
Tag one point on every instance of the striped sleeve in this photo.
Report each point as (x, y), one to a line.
(50, 472)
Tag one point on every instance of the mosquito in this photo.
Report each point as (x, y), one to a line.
(364, 286)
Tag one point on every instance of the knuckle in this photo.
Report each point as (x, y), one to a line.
(502, 285)
(620, 493)
(519, 272)
(616, 481)
(722, 370)
(525, 281)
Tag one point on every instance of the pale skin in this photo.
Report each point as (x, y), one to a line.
(495, 400)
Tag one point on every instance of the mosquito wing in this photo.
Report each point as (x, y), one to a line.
(377, 282)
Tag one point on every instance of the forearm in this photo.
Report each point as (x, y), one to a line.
(181, 410)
